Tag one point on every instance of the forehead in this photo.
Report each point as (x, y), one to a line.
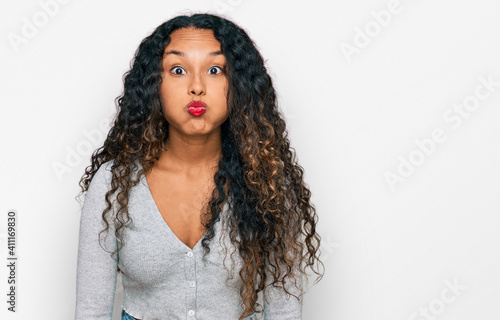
(190, 38)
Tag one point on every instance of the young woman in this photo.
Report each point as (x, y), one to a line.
(196, 196)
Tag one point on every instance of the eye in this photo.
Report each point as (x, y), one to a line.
(177, 70)
(214, 70)
(180, 71)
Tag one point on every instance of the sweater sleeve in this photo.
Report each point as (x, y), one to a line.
(278, 305)
(96, 269)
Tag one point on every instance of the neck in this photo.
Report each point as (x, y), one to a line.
(188, 153)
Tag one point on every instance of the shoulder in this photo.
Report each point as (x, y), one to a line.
(104, 171)
(102, 177)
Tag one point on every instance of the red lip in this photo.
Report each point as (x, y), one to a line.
(196, 108)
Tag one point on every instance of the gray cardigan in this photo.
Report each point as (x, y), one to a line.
(162, 277)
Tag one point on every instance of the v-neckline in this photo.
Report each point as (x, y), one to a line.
(159, 217)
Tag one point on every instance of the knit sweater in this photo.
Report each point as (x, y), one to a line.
(162, 277)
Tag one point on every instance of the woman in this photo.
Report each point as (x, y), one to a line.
(198, 151)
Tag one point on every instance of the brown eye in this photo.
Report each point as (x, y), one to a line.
(177, 71)
(215, 70)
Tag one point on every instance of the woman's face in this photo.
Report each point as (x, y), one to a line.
(192, 65)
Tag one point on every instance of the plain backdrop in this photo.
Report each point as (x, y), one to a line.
(392, 107)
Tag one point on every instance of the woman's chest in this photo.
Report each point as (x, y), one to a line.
(181, 202)
(152, 254)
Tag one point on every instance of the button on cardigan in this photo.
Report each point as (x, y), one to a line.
(162, 277)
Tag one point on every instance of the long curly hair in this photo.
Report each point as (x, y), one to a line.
(272, 221)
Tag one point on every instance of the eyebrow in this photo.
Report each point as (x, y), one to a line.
(179, 53)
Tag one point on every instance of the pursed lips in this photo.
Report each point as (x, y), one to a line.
(196, 108)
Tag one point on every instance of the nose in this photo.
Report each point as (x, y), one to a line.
(197, 85)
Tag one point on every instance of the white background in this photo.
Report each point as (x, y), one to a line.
(390, 252)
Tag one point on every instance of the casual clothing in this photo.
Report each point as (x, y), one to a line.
(162, 277)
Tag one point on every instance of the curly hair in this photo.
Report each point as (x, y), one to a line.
(272, 221)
